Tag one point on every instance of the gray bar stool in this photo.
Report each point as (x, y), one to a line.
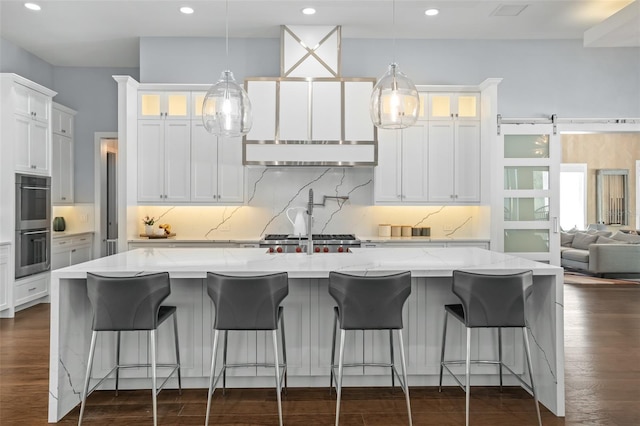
(369, 303)
(248, 303)
(489, 301)
(130, 304)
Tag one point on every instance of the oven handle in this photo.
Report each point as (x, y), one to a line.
(43, 188)
(34, 232)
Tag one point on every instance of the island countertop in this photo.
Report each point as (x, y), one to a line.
(309, 317)
(195, 262)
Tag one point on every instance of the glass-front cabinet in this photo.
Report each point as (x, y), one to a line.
(530, 161)
(164, 105)
(454, 106)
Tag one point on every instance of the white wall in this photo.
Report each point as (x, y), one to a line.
(17, 60)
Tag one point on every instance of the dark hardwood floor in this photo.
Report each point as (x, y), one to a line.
(602, 348)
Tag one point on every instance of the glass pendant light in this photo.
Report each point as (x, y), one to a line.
(394, 102)
(226, 110)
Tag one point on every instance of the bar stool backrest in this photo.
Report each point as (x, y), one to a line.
(247, 303)
(371, 302)
(493, 300)
(127, 303)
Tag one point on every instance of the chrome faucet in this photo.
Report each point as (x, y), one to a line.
(309, 221)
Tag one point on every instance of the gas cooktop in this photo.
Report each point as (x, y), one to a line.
(315, 237)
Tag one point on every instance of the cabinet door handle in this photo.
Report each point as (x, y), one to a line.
(32, 289)
(73, 251)
(64, 131)
(64, 198)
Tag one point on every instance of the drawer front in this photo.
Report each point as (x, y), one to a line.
(31, 290)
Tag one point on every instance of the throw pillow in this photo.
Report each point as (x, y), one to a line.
(582, 240)
(629, 238)
(566, 239)
(599, 233)
(605, 240)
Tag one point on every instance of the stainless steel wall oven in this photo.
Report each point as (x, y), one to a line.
(33, 224)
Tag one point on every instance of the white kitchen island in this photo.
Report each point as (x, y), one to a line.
(308, 320)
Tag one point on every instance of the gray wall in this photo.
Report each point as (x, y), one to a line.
(94, 94)
(16, 60)
(540, 77)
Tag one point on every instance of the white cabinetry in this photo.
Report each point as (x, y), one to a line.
(4, 278)
(401, 175)
(31, 288)
(164, 160)
(165, 105)
(32, 140)
(62, 155)
(454, 161)
(450, 106)
(217, 174)
(70, 250)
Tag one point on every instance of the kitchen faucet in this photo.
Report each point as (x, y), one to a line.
(309, 221)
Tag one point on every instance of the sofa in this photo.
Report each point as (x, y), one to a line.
(600, 253)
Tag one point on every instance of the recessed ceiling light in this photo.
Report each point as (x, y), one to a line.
(32, 6)
(186, 10)
(431, 12)
(309, 11)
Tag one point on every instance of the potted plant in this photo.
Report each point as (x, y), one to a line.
(148, 224)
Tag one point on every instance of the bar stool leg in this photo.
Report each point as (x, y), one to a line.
(500, 354)
(284, 351)
(117, 360)
(85, 391)
(444, 340)
(339, 381)
(468, 374)
(404, 376)
(154, 392)
(333, 351)
(224, 363)
(216, 335)
(277, 370)
(533, 389)
(175, 334)
(393, 378)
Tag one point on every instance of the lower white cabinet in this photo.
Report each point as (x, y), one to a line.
(71, 250)
(4, 278)
(31, 288)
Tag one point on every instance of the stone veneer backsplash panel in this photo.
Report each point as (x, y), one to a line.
(271, 191)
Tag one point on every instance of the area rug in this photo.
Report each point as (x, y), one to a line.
(578, 278)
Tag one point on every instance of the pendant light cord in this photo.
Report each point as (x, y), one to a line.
(393, 30)
(226, 29)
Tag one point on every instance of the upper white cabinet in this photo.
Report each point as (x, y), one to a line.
(171, 105)
(62, 169)
(453, 106)
(217, 173)
(26, 123)
(401, 175)
(32, 103)
(164, 160)
(454, 161)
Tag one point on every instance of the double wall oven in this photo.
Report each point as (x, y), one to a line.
(33, 224)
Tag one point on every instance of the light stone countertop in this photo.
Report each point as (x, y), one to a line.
(62, 234)
(195, 262)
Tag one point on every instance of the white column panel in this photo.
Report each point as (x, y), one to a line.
(263, 104)
(357, 121)
(326, 117)
(294, 110)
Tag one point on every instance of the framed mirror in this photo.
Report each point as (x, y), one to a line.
(612, 196)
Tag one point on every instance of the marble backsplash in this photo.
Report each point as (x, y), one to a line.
(271, 191)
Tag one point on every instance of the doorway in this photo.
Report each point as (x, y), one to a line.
(106, 190)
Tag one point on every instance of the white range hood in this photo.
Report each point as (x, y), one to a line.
(310, 116)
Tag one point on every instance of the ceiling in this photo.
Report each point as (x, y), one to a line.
(100, 33)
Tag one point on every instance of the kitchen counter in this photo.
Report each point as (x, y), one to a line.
(55, 235)
(420, 240)
(308, 318)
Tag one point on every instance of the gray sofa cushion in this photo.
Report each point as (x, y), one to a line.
(566, 239)
(599, 233)
(582, 240)
(576, 255)
(628, 238)
(605, 240)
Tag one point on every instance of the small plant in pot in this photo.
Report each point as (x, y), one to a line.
(148, 224)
